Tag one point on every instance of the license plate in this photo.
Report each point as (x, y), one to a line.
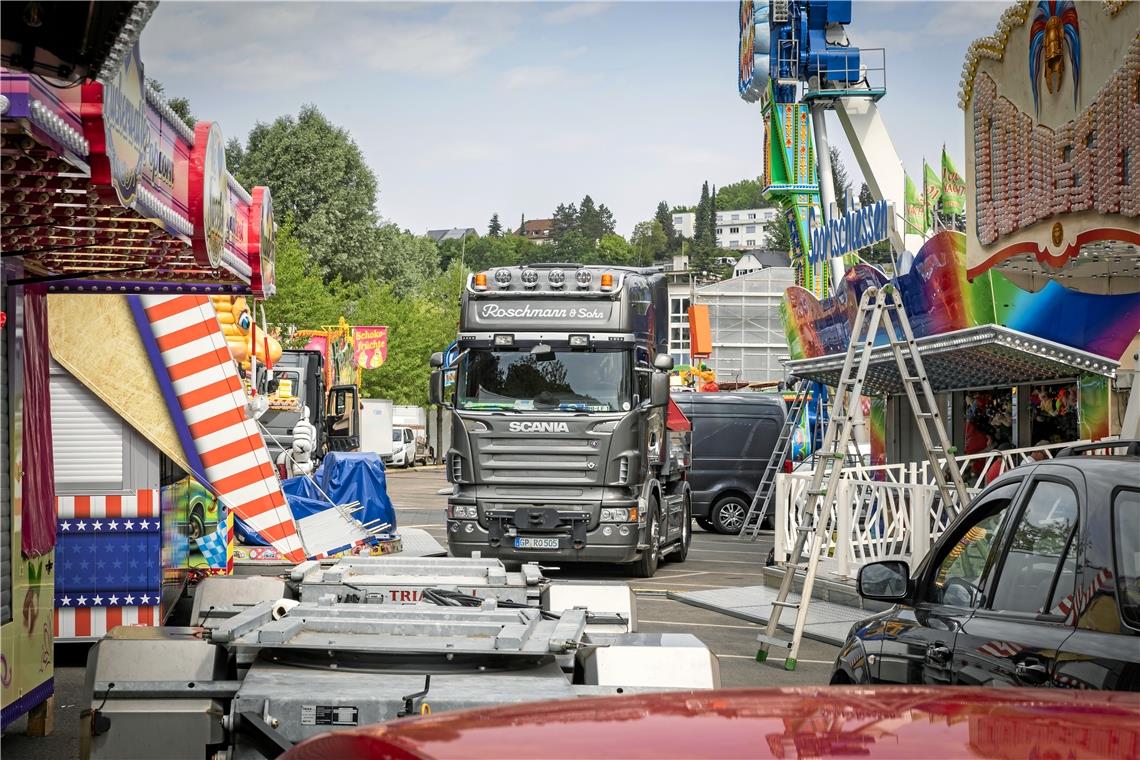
(527, 542)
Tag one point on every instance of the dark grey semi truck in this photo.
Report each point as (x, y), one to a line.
(564, 445)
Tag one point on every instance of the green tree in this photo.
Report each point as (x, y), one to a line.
(649, 242)
(593, 221)
(235, 154)
(613, 249)
(303, 299)
(495, 228)
(777, 237)
(665, 218)
(407, 261)
(747, 193)
(565, 220)
(180, 106)
(318, 174)
(701, 224)
(840, 181)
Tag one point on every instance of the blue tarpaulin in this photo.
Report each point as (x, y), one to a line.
(346, 477)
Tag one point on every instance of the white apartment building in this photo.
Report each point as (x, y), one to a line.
(735, 230)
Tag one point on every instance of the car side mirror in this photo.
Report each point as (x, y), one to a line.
(887, 581)
(435, 387)
(658, 389)
(436, 360)
(663, 362)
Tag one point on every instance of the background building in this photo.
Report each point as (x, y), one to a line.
(748, 340)
(537, 231)
(735, 230)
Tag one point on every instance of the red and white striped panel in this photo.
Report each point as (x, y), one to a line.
(213, 401)
(92, 622)
(142, 503)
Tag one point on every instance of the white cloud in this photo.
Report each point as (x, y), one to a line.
(566, 13)
(533, 77)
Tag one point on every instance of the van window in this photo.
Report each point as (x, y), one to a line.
(733, 437)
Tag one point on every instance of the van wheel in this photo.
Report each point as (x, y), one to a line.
(646, 565)
(705, 523)
(728, 514)
(681, 553)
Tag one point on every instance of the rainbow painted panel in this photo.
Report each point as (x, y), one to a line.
(939, 298)
(1093, 406)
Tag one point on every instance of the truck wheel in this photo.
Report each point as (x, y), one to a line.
(728, 514)
(646, 565)
(681, 553)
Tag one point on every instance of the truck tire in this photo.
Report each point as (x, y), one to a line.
(728, 513)
(681, 553)
(646, 565)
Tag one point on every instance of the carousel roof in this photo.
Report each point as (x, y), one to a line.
(977, 357)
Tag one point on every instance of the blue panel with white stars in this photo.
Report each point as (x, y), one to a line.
(101, 558)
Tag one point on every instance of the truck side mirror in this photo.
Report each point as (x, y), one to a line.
(435, 387)
(663, 362)
(658, 389)
(436, 360)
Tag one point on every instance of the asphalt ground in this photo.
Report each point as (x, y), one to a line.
(714, 561)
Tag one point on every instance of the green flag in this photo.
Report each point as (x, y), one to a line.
(931, 192)
(953, 188)
(914, 217)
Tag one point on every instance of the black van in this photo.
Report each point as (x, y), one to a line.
(733, 436)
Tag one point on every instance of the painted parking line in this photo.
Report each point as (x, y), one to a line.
(701, 625)
(753, 657)
(679, 575)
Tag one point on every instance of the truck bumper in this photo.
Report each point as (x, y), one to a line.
(614, 548)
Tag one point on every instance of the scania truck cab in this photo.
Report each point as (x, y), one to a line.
(565, 446)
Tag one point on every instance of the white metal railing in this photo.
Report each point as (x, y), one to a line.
(886, 511)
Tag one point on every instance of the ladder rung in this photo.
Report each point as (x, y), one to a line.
(925, 415)
(792, 605)
(772, 641)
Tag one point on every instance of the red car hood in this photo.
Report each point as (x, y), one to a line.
(874, 722)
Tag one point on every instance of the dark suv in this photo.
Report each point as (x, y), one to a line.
(1037, 583)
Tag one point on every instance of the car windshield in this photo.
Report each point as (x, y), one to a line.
(572, 381)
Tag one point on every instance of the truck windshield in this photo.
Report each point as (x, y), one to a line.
(571, 381)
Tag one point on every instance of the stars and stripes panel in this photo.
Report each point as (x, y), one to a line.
(108, 564)
(142, 503)
(212, 399)
(92, 621)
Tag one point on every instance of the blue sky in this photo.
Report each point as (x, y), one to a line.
(464, 109)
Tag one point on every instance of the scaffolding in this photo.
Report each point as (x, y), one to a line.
(748, 337)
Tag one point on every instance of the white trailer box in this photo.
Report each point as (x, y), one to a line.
(413, 417)
(376, 425)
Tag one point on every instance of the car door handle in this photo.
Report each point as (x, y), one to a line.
(938, 653)
(1033, 671)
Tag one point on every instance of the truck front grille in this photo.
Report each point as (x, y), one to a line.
(555, 461)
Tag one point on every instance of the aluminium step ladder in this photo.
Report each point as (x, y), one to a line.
(878, 306)
(758, 510)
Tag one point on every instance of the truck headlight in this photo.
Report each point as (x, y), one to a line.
(464, 512)
(618, 515)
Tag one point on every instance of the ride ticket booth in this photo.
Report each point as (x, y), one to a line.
(119, 222)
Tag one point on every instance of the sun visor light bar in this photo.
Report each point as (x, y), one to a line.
(529, 278)
(504, 339)
(556, 278)
(503, 277)
(584, 277)
(579, 341)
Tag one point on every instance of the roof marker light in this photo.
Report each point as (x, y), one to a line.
(530, 278)
(607, 281)
(481, 281)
